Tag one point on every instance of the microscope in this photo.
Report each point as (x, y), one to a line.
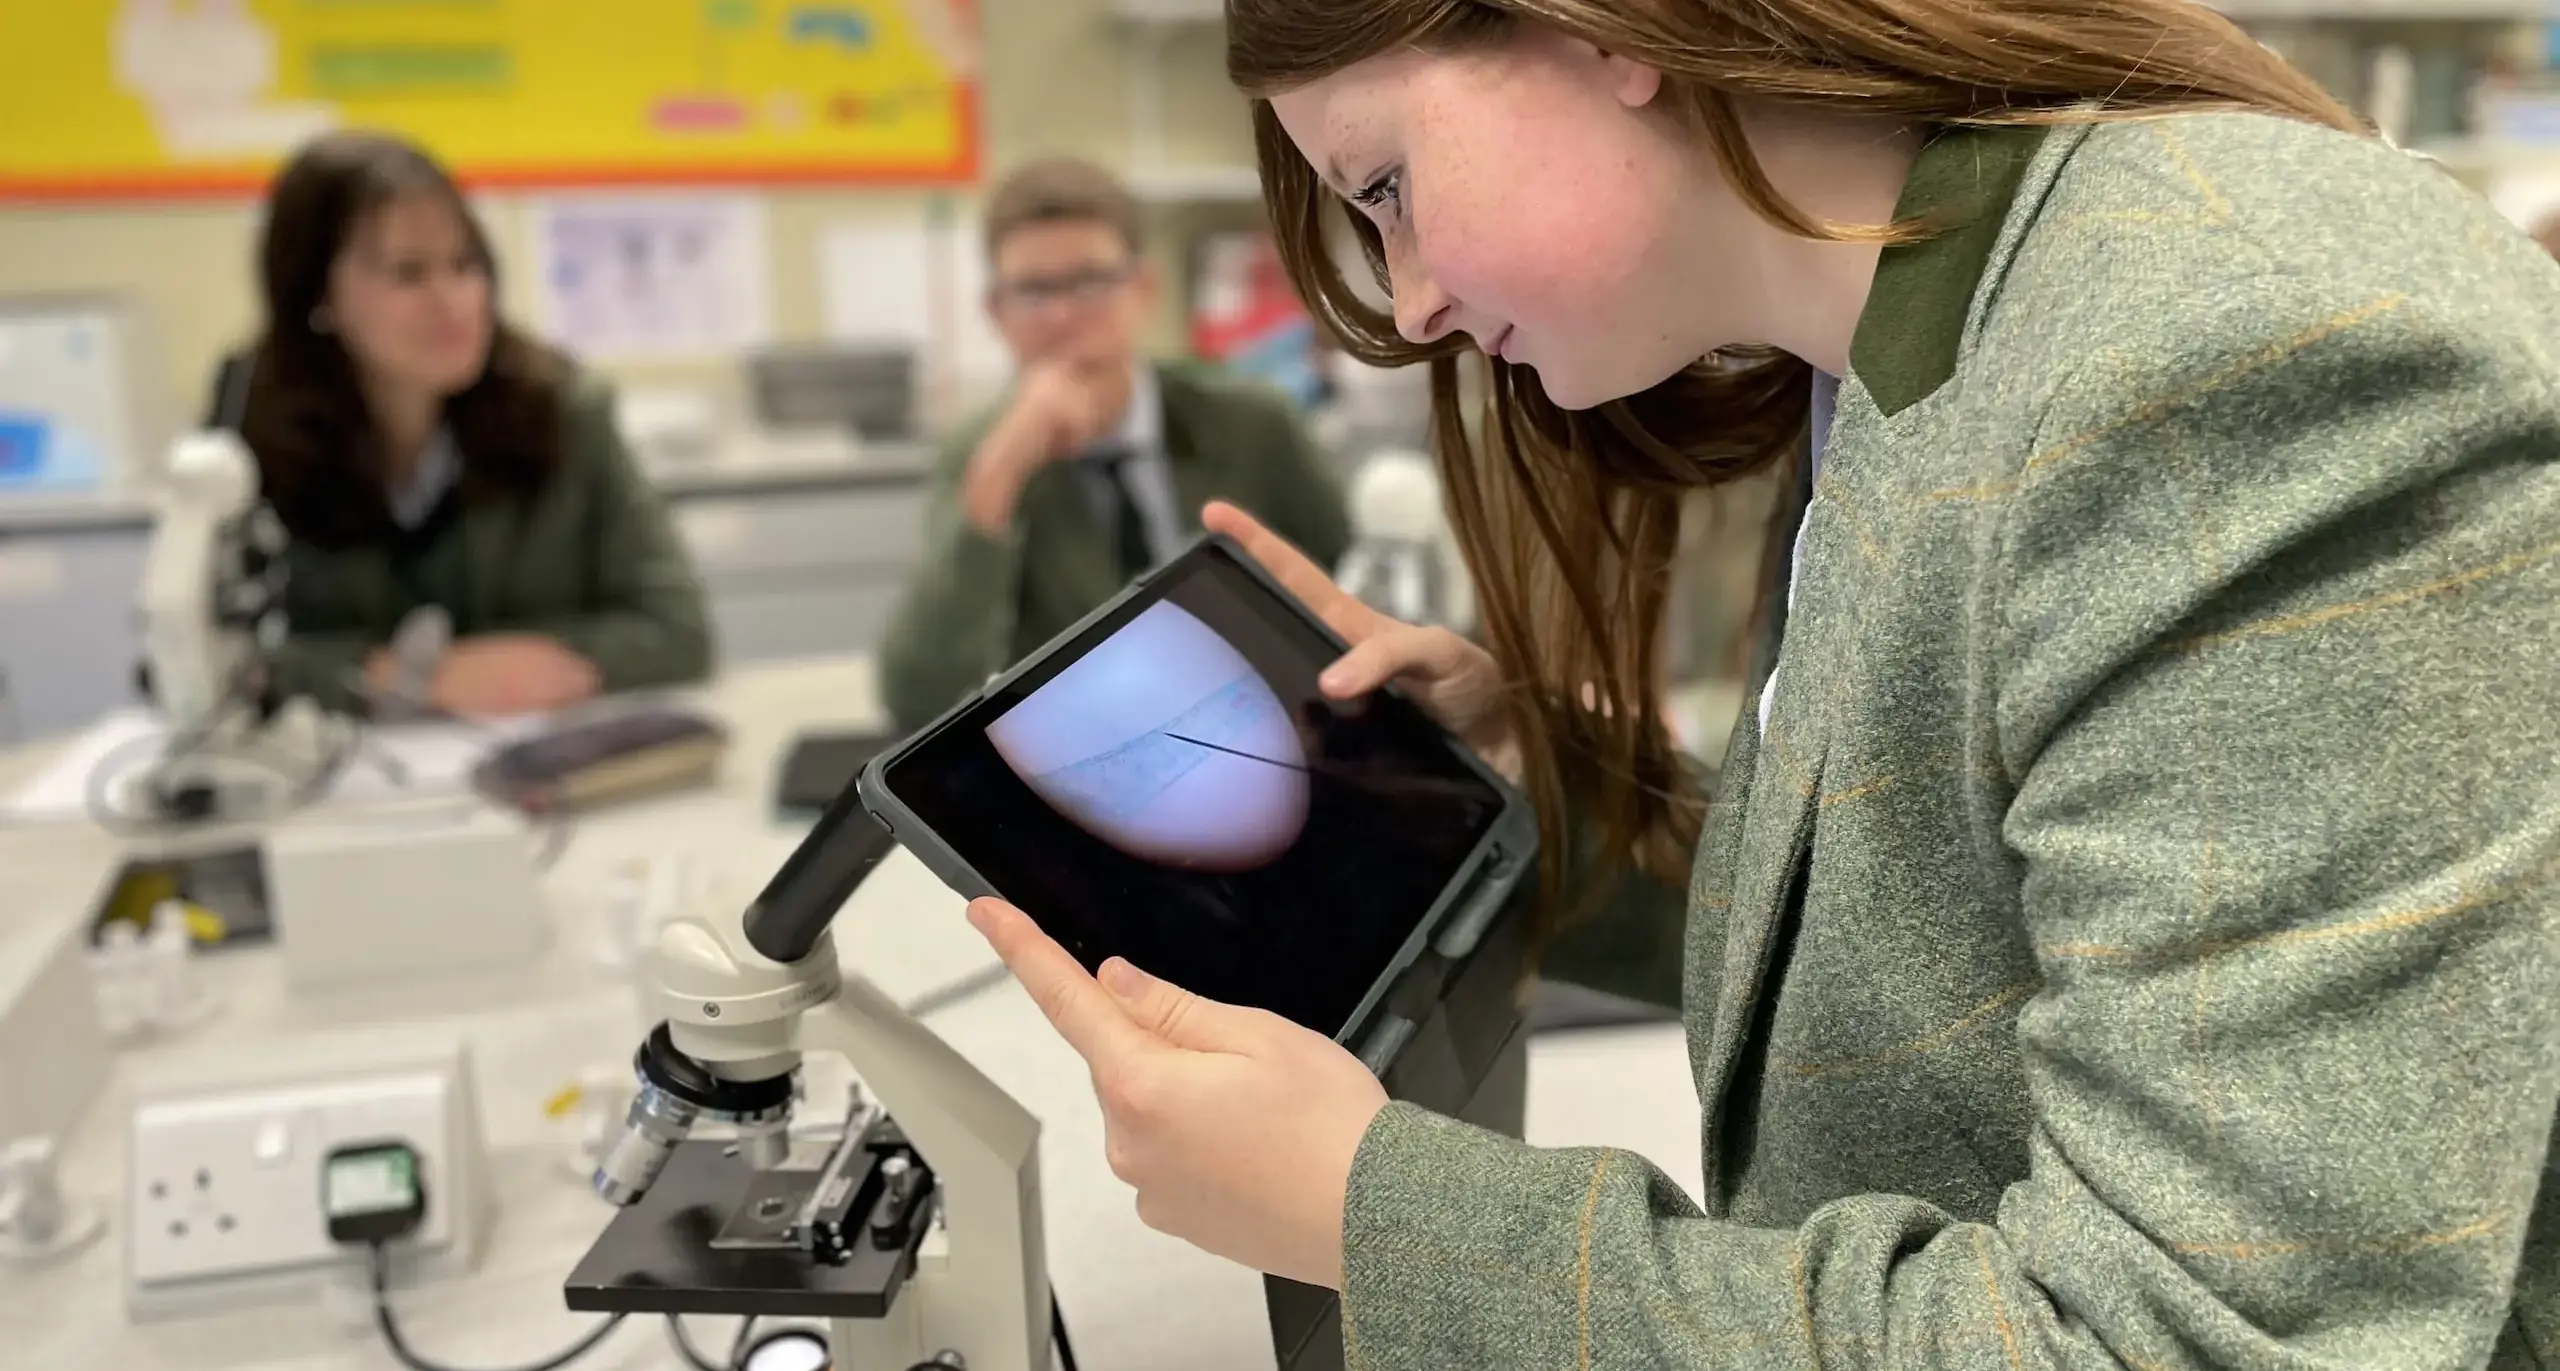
(915, 1234)
(212, 604)
(1404, 559)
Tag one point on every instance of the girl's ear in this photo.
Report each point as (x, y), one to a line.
(1634, 83)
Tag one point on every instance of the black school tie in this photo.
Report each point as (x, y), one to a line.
(1118, 464)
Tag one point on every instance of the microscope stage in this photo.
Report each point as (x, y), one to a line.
(680, 1251)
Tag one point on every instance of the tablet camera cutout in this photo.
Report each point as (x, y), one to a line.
(1165, 743)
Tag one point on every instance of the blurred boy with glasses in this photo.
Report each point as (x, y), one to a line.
(1094, 466)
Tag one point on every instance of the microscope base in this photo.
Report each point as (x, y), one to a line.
(659, 1257)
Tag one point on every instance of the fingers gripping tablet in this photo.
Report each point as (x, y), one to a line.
(1165, 783)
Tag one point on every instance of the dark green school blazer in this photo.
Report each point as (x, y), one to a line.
(2132, 942)
(978, 604)
(592, 561)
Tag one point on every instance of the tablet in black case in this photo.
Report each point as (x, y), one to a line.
(1165, 783)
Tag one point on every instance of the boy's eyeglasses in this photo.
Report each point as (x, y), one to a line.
(1086, 287)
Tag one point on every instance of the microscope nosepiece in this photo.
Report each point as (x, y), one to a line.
(675, 1092)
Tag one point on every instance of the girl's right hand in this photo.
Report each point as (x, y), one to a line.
(1452, 678)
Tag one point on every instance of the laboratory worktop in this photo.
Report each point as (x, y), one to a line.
(802, 548)
(1133, 1298)
(35, 515)
(780, 478)
(893, 465)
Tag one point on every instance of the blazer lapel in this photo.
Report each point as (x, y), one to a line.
(1908, 341)
(1764, 873)
(1193, 452)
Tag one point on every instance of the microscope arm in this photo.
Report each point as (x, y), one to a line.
(988, 1294)
(746, 997)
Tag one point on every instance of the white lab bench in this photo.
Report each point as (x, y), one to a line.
(1135, 1300)
(797, 559)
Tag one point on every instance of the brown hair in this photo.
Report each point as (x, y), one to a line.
(1569, 519)
(1057, 190)
(320, 457)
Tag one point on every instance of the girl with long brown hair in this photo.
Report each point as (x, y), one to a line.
(2125, 932)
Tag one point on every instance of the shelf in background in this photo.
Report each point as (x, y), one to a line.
(49, 514)
(2493, 157)
(1194, 185)
(1168, 11)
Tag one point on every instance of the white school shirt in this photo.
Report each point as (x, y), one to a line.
(1826, 397)
(1149, 469)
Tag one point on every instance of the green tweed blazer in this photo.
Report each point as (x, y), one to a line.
(2131, 943)
(977, 605)
(592, 561)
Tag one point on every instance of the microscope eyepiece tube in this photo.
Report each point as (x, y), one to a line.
(793, 911)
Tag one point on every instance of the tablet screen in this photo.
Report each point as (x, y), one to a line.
(1172, 788)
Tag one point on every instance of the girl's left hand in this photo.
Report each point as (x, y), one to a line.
(1236, 1126)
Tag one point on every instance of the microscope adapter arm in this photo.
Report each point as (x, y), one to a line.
(746, 1016)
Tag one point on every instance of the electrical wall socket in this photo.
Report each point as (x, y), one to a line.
(223, 1200)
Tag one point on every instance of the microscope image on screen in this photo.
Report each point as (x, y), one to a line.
(1164, 742)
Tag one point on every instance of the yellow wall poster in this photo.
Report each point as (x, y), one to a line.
(107, 98)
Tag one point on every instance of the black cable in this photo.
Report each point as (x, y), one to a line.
(694, 1356)
(356, 744)
(741, 1348)
(1058, 1333)
(952, 992)
(391, 1338)
(738, 1346)
(684, 1347)
(98, 788)
(198, 740)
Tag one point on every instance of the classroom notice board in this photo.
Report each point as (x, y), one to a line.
(116, 98)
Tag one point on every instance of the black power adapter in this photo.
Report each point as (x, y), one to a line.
(372, 1193)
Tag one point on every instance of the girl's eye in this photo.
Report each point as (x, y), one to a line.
(1387, 190)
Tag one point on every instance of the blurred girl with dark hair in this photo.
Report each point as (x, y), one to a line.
(426, 456)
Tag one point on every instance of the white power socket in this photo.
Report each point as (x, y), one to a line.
(223, 1202)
